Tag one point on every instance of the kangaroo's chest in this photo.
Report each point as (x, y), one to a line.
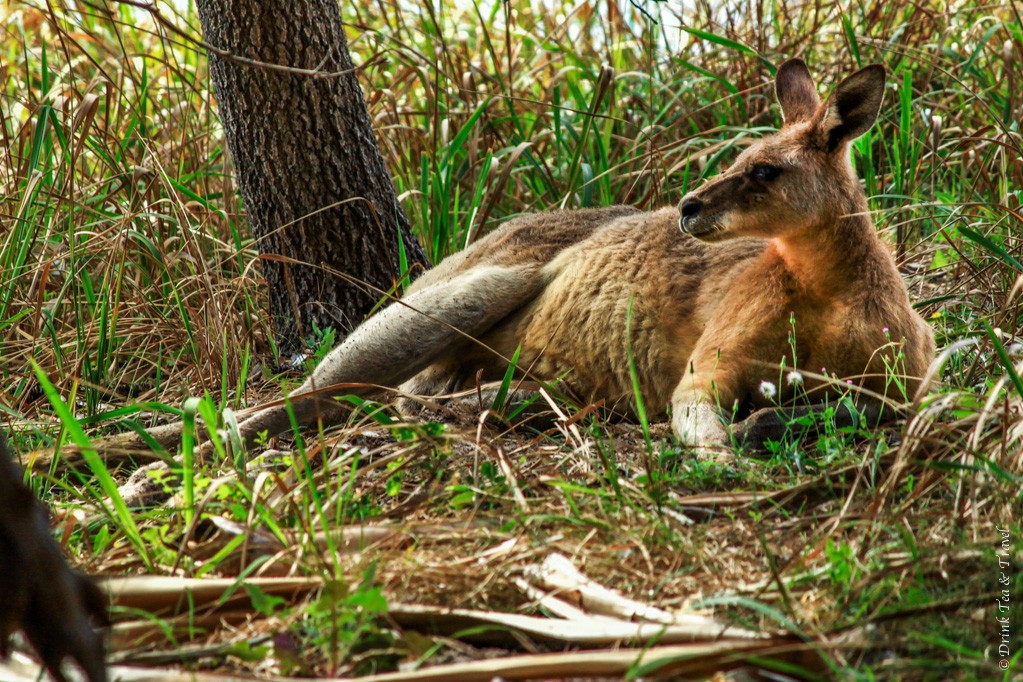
(771, 338)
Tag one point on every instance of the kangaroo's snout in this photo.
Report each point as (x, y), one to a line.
(689, 209)
(696, 220)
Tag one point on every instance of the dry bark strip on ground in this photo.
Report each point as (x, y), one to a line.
(656, 662)
(591, 616)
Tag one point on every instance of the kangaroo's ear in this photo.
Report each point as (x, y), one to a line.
(853, 107)
(796, 92)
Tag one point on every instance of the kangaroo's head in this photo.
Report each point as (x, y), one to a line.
(798, 178)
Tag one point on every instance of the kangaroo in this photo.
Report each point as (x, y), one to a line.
(698, 302)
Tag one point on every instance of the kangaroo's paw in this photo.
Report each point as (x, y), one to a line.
(699, 425)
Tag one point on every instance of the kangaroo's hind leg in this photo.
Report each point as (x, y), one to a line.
(392, 346)
(402, 340)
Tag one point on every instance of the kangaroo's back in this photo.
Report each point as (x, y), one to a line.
(534, 238)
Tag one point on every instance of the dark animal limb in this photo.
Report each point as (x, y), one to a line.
(776, 423)
(55, 606)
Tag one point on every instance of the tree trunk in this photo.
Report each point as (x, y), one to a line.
(316, 190)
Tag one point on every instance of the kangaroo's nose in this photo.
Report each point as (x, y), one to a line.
(690, 207)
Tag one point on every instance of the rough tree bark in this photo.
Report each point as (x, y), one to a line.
(315, 187)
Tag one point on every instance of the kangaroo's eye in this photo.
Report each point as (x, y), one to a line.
(765, 172)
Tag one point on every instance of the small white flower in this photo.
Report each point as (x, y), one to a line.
(793, 378)
(884, 330)
(767, 389)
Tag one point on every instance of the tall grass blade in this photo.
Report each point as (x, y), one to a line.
(121, 514)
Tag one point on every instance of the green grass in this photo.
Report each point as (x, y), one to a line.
(129, 282)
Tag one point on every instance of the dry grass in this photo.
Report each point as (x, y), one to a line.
(127, 275)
